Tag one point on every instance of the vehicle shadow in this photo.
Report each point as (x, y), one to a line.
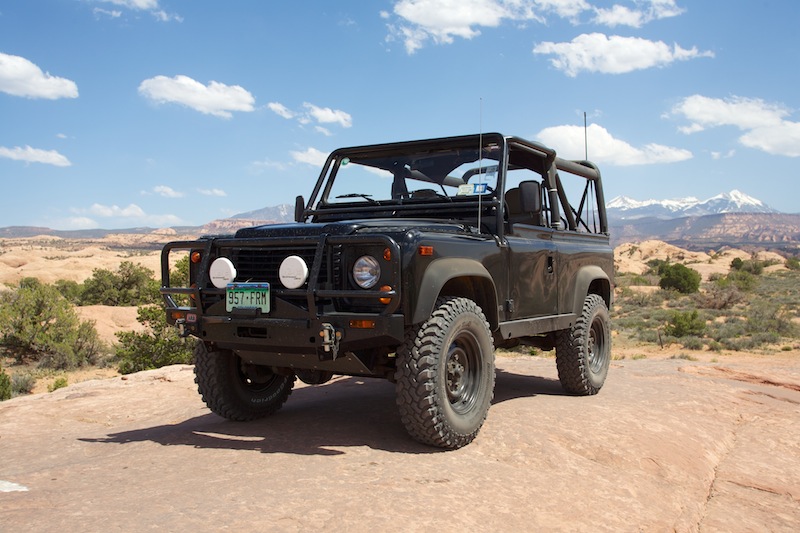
(347, 412)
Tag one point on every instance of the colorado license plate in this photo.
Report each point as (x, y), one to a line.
(247, 296)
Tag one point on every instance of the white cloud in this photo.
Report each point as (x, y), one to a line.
(79, 223)
(112, 13)
(314, 114)
(141, 5)
(151, 6)
(20, 77)
(417, 22)
(117, 216)
(765, 124)
(443, 20)
(35, 155)
(326, 115)
(167, 192)
(310, 156)
(215, 98)
(618, 15)
(259, 167)
(212, 192)
(605, 148)
(280, 110)
(596, 52)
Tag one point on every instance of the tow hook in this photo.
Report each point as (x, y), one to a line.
(181, 325)
(330, 339)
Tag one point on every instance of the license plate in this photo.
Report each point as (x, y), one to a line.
(247, 296)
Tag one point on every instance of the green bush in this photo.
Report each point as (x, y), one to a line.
(59, 383)
(159, 346)
(5, 385)
(71, 290)
(22, 383)
(680, 278)
(38, 324)
(685, 324)
(793, 263)
(131, 284)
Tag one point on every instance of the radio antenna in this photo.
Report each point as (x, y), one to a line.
(585, 139)
(480, 159)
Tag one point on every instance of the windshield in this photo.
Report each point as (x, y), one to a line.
(406, 175)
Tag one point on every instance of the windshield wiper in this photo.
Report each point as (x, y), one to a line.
(359, 195)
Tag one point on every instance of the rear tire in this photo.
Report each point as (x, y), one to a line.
(237, 390)
(583, 352)
(445, 375)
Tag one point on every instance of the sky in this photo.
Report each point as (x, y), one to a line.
(157, 113)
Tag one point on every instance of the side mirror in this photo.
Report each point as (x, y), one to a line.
(530, 195)
(299, 208)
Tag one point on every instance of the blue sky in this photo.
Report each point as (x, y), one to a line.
(128, 113)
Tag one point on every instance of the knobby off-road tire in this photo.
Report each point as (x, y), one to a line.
(445, 375)
(237, 391)
(583, 352)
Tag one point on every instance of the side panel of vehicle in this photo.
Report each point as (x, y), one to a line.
(586, 266)
(467, 267)
(533, 280)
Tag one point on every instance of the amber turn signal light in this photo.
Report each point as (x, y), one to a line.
(426, 250)
(362, 324)
(195, 257)
(385, 301)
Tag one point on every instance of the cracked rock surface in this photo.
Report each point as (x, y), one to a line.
(666, 445)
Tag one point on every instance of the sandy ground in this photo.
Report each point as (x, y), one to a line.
(51, 258)
(667, 445)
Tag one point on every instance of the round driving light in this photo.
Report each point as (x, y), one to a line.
(366, 271)
(293, 272)
(222, 272)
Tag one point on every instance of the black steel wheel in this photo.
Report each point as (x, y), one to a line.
(237, 390)
(583, 352)
(445, 375)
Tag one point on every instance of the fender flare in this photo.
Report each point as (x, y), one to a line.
(585, 278)
(440, 272)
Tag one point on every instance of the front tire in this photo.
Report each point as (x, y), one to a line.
(583, 352)
(445, 375)
(237, 390)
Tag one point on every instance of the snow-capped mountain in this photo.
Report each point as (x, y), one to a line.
(625, 208)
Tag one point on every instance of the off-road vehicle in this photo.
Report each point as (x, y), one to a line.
(411, 262)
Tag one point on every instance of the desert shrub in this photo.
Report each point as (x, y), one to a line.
(5, 385)
(793, 263)
(720, 296)
(59, 383)
(685, 324)
(692, 343)
(680, 278)
(131, 284)
(71, 290)
(22, 383)
(741, 279)
(737, 263)
(38, 324)
(159, 346)
(764, 317)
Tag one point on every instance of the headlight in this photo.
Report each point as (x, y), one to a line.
(366, 271)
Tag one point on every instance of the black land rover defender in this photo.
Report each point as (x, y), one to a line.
(411, 261)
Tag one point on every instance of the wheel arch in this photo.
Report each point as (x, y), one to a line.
(456, 277)
(591, 280)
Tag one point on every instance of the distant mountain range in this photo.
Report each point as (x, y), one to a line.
(728, 219)
(626, 208)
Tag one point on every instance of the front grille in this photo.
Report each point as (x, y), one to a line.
(262, 264)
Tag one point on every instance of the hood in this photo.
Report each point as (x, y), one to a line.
(349, 227)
